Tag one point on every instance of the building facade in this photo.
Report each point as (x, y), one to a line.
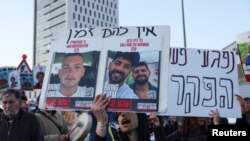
(53, 15)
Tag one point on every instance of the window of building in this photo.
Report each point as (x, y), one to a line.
(80, 9)
(83, 18)
(79, 17)
(88, 4)
(94, 14)
(75, 24)
(97, 7)
(80, 25)
(93, 5)
(79, 1)
(74, 15)
(75, 7)
(85, 10)
(88, 20)
(93, 21)
(90, 12)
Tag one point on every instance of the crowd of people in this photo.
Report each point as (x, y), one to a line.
(17, 123)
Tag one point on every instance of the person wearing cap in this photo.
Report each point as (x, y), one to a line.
(119, 68)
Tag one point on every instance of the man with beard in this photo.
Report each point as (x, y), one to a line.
(120, 67)
(16, 124)
(70, 74)
(142, 87)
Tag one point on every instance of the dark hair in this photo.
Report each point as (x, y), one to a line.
(39, 73)
(23, 97)
(189, 126)
(143, 128)
(247, 99)
(133, 57)
(72, 54)
(142, 64)
(12, 92)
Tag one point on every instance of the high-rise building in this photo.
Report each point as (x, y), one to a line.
(53, 15)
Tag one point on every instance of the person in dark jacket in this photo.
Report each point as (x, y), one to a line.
(16, 124)
(189, 130)
(131, 126)
(245, 109)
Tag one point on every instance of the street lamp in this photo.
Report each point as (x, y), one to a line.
(183, 22)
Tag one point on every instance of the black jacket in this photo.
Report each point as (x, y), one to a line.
(25, 127)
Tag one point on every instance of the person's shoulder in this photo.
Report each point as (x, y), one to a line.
(28, 116)
(152, 87)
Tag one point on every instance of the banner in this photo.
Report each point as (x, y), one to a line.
(203, 80)
(86, 62)
(243, 45)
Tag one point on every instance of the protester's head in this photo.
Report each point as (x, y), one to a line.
(72, 70)
(40, 76)
(11, 102)
(189, 125)
(247, 104)
(13, 79)
(141, 73)
(130, 122)
(24, 103)
(122, 65)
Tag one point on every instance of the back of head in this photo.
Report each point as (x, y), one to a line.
(143, 127)
(23, 97)
(72, 55)
(189, 125)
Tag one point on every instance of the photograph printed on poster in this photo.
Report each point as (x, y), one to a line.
(132, 78)
(73, 76)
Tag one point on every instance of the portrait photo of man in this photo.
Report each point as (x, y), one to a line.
(69, 81)
(119, 68)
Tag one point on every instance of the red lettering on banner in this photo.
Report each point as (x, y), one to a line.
(50, 102)
(63, 102)
(124, 104)
(112, 103)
